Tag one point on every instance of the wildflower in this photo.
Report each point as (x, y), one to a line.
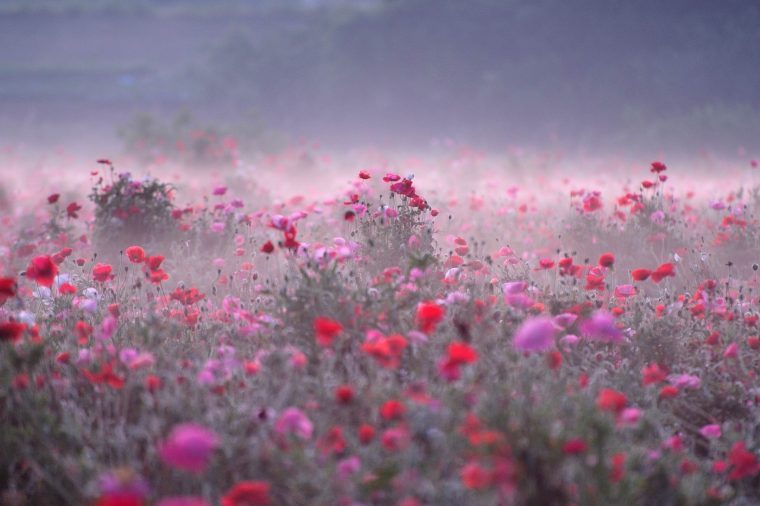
(72, 209)
(11, 331)
(743, 463)
(711, 431)
(188, 447)
(325, 330)
(154, 262)
(662, 272)
(607, 260)
(102, 272)
(294, 421)
(601, 327)
(53, 198)
(658, 167)
(392, 410)
(43, 270)
(652, 374)
(344, 394)
(611, 400)
(247, 493)
(395, 439)
(640, 274)
(618, 467)
(135, 254)
(536, 334)
(475, 477)
(267, 248)
(575, 447)
(363, 174)
(429, 315)
(366, 434)
(668, 392)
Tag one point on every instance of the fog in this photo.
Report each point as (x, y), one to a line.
(600, 77)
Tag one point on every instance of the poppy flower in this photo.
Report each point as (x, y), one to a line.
(102, 272)
(601, 327)
(640, 274)
(611, 400)
(575, 447)
(188, 447)
(658, 167)
(743, 463)
(607, 260)
(43, 270)
(325, 330)
(267, 248)
(53, 198)
(11, 331)
(71, 210)
(662, 272)
(363, 174)
(653, 374)
(429, 315)
(392, 410)
(7, 289)
(475, 477)
(135, 254)
(344, 394)
(154, 262)
(247, 493)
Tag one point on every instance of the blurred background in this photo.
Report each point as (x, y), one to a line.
(157, 77)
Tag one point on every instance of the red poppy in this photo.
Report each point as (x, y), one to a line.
(392, 410)
(247, 493)
(344, 394)
(43, 270)
(11, 331)
(325, 330)
(652, 374)
(135, 254)
(71, 210)
(662, 272)
(102, 272)
(53, 198)
(386, 350)
(658, 167)
(640, 274)
(429, 314)
(7, 289)
(611, 400)
(668, 392)
(475, 477)
(366, 434)
(363, 174)
(743, 463)
(461, 353)
(154, 262)
(267, 248)
(607, 260)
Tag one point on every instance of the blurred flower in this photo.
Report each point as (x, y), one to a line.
(188, 447)
(247, 493)
(294, 421)
(535, 334)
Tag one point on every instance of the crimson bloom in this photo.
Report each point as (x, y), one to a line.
(102, 272)
(607, 260)
(43, 270)
(267, 248)
(247, 493)
(7, 289)
(662, 272)
(11, 331)
(743, 463)
(135, 254)
(326, 329)
(611, 400)
(640, 274)
(429, 315)
(71, 210)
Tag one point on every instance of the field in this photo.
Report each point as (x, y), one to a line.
(326, 330)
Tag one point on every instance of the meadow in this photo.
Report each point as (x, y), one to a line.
(315, 330)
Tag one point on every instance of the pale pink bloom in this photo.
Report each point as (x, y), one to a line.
(188, 447)
(711, 431)
(732, 350)
(514, 287)
(569, 340)
(623, 291)
(294, 421)
(536, 334)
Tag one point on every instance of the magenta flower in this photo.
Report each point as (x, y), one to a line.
(536, 334)
(711, 431)
(294, 421)
(601, 327)
(188, 447)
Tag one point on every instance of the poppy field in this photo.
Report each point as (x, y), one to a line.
(446, 331)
